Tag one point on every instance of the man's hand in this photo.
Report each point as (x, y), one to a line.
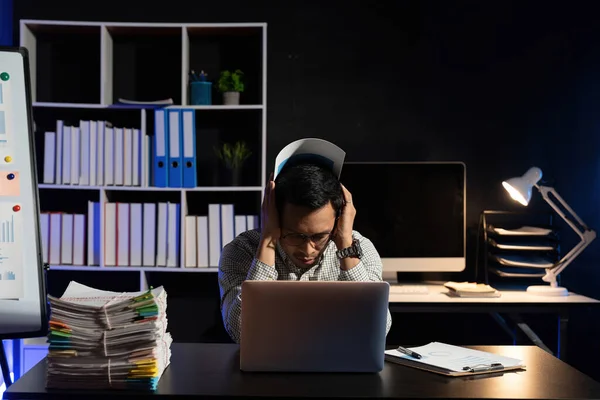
(343, 235)
(269, 223)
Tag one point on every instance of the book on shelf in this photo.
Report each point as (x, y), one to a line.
(96, 153)
(141, 235)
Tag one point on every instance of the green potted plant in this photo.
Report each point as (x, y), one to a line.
(231, 84)
(233, 157)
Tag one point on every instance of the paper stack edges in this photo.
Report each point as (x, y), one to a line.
(107, 340)
(470, 289)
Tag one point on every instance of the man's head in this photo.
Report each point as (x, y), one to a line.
(309, 199)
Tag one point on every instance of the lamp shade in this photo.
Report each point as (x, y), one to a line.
(520, 187)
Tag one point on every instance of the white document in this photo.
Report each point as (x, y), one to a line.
(119, 157)
(202, 251)
(59, 152)
(49, 157)
(135, 235)
(190, 241)
(161, 235)
(78, 239)
(524, 231)
(66, 155)
(311, 149)
(109, 154)
(66, 236)
(99, 146)
(149, 235)
(93, 151)
(75, 154)
(84, 153)
(128, 151)
(455, 358)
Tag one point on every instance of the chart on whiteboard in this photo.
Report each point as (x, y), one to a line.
(11, 256)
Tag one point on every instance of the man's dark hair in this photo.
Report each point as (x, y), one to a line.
(308, 185)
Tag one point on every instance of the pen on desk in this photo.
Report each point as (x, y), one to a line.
(483, 367)
(408, 352)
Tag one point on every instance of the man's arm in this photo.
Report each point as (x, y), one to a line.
(237, 264)
(369, 268)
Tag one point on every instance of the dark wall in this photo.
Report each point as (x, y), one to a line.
(499, 85)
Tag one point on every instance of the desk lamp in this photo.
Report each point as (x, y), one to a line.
(519, 189)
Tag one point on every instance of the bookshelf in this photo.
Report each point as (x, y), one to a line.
(80, 70)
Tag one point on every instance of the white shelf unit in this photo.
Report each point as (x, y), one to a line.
(105, 36)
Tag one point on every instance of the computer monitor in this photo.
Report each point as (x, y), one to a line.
(413, 212)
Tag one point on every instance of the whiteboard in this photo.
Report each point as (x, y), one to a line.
(22, 284)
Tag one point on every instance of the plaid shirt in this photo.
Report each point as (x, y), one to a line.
(239, 263)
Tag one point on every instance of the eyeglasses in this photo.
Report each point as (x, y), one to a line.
(298, 239)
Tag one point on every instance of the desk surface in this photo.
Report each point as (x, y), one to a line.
(212, 370)
(437, 294)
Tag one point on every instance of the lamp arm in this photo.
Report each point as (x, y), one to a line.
(545, 191)
(586, 234)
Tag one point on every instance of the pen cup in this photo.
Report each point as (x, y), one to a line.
(200, 93)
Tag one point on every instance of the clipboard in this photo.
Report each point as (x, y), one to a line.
(454, 361)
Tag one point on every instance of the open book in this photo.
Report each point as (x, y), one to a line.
(452, 360)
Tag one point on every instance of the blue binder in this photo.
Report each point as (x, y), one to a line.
(175, 148)
(188, 119)
(160, 149)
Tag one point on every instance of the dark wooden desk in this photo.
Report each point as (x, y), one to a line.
(212, 370)
(514, 302)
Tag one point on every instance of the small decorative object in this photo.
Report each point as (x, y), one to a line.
(231, 84)
(200, 89)
(233, 156)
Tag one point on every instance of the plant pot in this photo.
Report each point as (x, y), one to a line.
(231, 98)
(231, 177)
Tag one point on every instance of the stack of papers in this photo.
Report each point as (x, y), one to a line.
(107, 340)
(470, 289)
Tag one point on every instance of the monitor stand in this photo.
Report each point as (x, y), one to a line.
(4, 366)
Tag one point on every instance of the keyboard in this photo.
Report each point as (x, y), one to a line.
(409, 289)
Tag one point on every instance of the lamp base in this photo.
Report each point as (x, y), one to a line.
(546, 290)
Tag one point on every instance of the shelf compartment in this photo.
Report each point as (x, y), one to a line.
(214, 49)
(213, 128)
(64, 62)
(141, 63)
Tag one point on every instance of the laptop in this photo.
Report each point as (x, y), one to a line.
(313, 326)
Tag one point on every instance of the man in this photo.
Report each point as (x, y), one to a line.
(307, 216)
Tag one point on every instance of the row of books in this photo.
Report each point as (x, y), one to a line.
(205, 236)
(96, 154)
(140, 235)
